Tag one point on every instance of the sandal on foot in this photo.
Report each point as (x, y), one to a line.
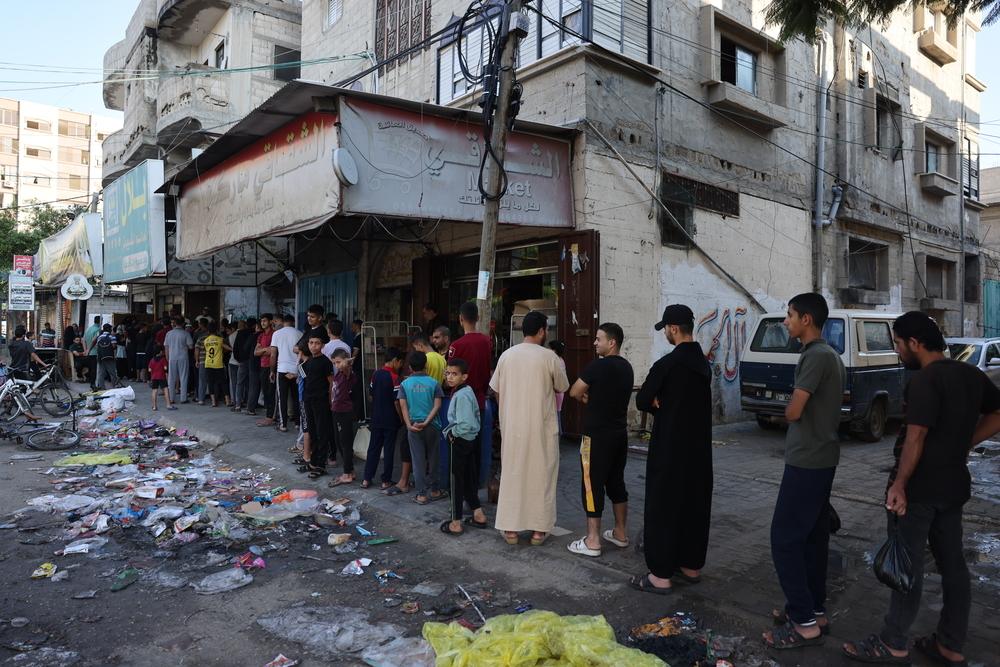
(299, 461)
(580, 547)
(366, 484)
(317, 473)
(446, 529)
(539, 541)
(609, 536)
(781, 618)
(442, 495)
(421, 500)
(873, 651)
(395, 491)
(511, 538)
(641, 582)
(387, 485)
(679, 574)
(340, 481)
(929, 647)
(785, 637)
(471, 521)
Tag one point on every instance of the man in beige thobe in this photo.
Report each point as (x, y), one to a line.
(526, 380)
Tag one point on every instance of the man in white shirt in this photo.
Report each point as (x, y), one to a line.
(284, 341)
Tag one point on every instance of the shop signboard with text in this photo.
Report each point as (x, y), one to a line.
(280, 184)
(23, 264)
(421, 166)
(134, 239)
(20, 292)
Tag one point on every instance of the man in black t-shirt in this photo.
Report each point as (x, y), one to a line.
(605, 388)
(22, 354)
(315, 327)
(317, 419)
(950, 406)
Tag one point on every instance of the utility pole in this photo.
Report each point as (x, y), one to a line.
(504, 82)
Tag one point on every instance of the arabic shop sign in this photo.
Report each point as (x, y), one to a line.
(134, 240)
(420, 166)
(76, 288)
(280, 184)
(20, 292)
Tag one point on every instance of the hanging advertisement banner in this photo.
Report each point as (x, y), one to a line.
(20, 292)
(134, 239)
(76, 249)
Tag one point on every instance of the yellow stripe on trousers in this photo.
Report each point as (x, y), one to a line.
(585, 460)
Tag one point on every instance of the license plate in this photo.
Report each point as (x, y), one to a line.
(782, 397)
(768, 394)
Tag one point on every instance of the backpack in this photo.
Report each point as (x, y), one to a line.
(105, 347)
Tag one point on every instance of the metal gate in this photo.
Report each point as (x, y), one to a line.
(991, 308)
(336, 292)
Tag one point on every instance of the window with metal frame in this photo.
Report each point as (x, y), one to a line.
(400, 25)
(334, 10)
(288, 61)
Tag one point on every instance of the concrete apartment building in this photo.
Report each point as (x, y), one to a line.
(48, 154)
(721, 119)
(187, 70)
(989, 239)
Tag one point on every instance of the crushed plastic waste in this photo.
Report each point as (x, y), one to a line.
(534, 638)
(356, 566)
(84, 546)
(400, 652)
(124, 579)
(44, 571)
(282, 661)
(223, 581)
(95, 459)
(46, 656)
(329, 632)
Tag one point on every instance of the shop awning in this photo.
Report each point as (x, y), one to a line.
(312, 152)
(75, 249)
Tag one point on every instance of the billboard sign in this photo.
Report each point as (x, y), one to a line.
(20, 292)
(75, 249)
(421, 166)
(134, 239)
(23, 264)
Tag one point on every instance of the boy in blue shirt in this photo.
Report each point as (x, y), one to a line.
(419, 402)
(462, 432)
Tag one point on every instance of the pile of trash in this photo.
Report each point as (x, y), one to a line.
(533, 638)
(681, 640)
(150, 489)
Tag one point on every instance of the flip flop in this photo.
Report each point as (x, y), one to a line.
(446, 529)
(471, 521)
(679, 574)
(299, 461)
(874, 651)
(785, 637)
(425, 501)
(641, 582)
(511, 539)
(580, 547)
(539, 541)
(366, 484)
(340, 482)
(395, 491)
(385, 486)
(316, 474)
(442, 495)
(609, 536)
(929, 647)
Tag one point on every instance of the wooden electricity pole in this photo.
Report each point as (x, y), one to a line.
(494, 168)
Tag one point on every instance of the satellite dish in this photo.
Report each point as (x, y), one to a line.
(345, 167)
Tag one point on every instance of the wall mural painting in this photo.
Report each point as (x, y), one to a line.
(723, 335)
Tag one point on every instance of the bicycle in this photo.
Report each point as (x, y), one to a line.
(46, 436)
(49, 389)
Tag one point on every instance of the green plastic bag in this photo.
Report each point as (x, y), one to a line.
(120, 457)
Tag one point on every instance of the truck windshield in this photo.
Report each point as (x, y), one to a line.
(772, 336)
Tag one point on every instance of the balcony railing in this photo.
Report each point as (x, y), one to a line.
(188, 105)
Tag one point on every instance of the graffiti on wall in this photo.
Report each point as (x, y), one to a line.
(723, 336)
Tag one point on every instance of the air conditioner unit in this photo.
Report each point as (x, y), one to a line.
(7, 184)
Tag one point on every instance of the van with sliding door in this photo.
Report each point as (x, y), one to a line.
(874, 390)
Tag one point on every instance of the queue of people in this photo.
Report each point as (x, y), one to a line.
(432, 397)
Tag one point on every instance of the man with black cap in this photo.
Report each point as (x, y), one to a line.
(678, 393)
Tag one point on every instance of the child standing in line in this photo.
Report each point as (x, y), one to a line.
(342, 405)
(420, 401)
(316, 406)
(385, 421)
(462, 432)
(213, 357)
(158, 377)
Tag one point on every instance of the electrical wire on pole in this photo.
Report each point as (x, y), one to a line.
(500, 101)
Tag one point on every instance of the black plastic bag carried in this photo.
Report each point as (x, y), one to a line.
(892, 565)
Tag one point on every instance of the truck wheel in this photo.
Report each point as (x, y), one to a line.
(873, 427)
(766, 423)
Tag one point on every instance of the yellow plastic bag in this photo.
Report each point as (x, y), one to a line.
(121, 457)
(533, 639)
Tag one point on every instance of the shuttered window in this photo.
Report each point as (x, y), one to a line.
(334, 10)
(970, 170)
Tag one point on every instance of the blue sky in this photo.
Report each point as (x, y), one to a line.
(75, 34)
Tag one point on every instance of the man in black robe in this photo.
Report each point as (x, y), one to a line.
(678, 393)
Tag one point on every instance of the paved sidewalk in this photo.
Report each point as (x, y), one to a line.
(739, 589)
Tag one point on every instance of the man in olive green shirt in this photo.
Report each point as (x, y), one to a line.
(800, 528)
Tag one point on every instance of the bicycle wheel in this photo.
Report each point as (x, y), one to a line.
(60, 438)
(56, 400)
(14, 404)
